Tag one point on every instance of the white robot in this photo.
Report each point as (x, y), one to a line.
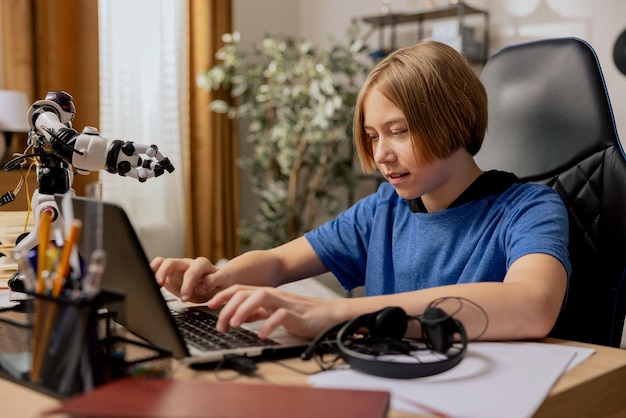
(60, 150)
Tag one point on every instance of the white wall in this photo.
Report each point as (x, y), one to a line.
(254, 18)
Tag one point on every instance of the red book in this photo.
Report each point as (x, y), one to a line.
(182, 398)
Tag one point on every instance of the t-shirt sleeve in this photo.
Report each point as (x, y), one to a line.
(539, 225)
(342, 243)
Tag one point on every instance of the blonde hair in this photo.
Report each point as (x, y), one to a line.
(443, 101)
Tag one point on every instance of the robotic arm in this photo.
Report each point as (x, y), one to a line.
(60, 150)
(50, 120)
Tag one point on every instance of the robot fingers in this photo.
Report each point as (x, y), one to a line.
(162, 162)
(166, 165)
(141, 173)
(124, 169)
(140, 161)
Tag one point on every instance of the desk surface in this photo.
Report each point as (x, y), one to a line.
(595, 388)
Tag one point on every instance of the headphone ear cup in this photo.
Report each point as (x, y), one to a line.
(390, 322)
(438, 329)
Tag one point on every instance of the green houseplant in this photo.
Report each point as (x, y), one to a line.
(298, 101)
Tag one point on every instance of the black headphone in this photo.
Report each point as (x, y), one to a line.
(362, 340)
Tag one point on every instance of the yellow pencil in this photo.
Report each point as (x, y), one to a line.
(64, 262)
(45, 223)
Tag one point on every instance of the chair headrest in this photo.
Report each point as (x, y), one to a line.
(548, 108)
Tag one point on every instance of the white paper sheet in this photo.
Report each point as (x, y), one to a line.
(507, 379)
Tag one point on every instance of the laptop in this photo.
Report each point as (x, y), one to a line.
(147, 314)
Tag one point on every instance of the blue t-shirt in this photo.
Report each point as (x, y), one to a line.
(380, 244)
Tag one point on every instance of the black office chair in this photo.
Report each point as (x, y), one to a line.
(551, 122)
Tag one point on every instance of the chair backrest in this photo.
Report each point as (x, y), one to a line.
(551, 122)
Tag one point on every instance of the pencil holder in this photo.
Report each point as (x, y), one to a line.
(64, 346)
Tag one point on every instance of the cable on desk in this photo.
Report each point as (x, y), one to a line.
(243, 365)
(323, 364)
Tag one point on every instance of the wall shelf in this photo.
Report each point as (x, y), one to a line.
(462, 38)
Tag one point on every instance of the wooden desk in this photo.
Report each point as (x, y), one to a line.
(595, 388)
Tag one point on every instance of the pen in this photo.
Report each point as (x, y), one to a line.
(64, 263)
(91, 285)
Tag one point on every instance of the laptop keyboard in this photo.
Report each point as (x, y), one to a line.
(198, 329)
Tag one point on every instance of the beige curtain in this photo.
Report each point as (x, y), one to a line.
(53, 45)
(212, 186)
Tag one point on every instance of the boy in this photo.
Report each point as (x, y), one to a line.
(439, 227)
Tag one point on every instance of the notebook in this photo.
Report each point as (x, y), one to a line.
(147, 314)
(168, 398)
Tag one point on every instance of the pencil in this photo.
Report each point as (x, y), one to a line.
(45, 223)
(64, 262)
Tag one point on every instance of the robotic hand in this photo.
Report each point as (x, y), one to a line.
(50, 120)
